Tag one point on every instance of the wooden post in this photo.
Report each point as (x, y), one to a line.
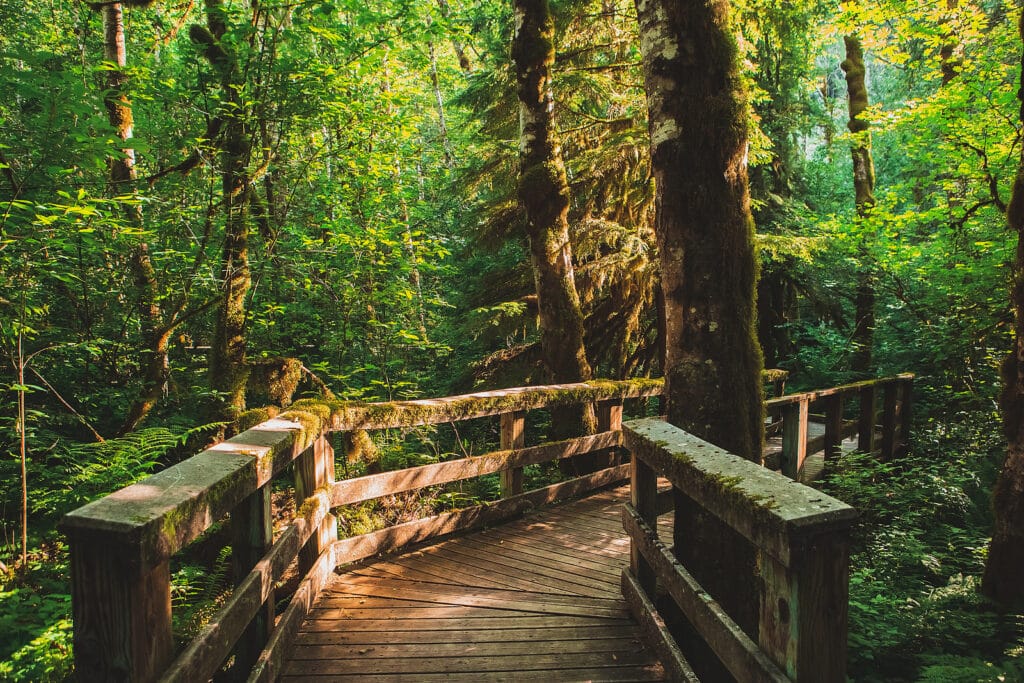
(803, 612)
(906, 404)
(609, 419)
(644, 498)
(794, 437)
(833, 426)
(512, 437)
(890, 403)
(252, 534)
(866, 422)
(122, 613)
(314, 469)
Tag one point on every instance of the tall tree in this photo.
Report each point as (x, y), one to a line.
(864, 197)
(698, 120)
(544, 194)
(1005, 566)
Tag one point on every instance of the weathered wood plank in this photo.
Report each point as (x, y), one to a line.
(773, 511)
(740, 655)
(563, 633)
(387, 483)
(794, 438)
(510, 663)
(632, 674)
(655, 630)
(505, 621)
(386, 540)
(513, 432)
(491, 649)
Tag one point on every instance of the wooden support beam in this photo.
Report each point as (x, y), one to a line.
(794, 438)
(890, 419)
(644, 498)
(866, 421)
(833, 426)
(252, 535)
(314, 470)
(655, 631)
(609, 419)
(804, 609)
(907, 404)
(513, 428)
(122, 613)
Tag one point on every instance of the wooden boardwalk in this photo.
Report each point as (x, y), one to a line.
(537, 599)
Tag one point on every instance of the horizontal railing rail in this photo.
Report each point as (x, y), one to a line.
(801, 538)
(121, 545)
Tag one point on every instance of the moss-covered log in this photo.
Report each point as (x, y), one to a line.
(1004, 569)
(544, 195)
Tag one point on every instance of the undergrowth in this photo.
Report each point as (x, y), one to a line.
(917, 558)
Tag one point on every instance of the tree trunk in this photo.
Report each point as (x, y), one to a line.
(948, 62)
(544, 195)
(122, 181)
(698, 128)
(864, 196)
(1004, 571)
(228, 369)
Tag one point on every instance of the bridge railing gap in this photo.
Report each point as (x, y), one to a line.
(122, 544)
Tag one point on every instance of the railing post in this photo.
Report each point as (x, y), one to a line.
(890, 408)
(866, 422)
(906, 404)
(609, 419)
(512, 437)
(804, 609)
(252, 534)
(122, 612)
(833, 425)
(644, 498)
(314, 469)
(794, 437)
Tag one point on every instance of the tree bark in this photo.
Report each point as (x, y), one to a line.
(864, 197)
(544, 194)
(1003, 580)
(228, 368)
(698, 128)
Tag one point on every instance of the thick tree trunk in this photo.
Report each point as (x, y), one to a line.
(948, 62)
(544, 195)
(228, 368)
(864, 196)
(698, 128)
(1004, 571)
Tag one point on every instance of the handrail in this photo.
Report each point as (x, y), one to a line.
(121, 544)
(801, 537)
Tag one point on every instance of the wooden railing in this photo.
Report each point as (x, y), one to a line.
(885, 432)
(121, 545)
(801, 539)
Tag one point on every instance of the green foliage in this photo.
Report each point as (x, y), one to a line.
(915, 611)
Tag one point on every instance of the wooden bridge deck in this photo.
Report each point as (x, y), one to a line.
(536, 599)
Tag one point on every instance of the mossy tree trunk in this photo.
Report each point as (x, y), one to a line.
(698, 127)
(1004, 571)
(544, 195)
(228, 368)
(155, 332)
(863, 338)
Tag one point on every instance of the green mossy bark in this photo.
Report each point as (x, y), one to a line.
(863, 337)
(698, 126)
(1003, 580)
(544, 194)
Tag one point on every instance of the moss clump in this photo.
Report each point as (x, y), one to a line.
(255, 416)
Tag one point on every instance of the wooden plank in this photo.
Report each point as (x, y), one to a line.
(203, 656)
(122, 615)
(734, 648)
(833, 439)
(794, 438)
(420, 650)
(643, 497)
(392, 538)
(649, 672)
(553, 551)
(890, 417)
(906, 408)
(774, 512)
(252, 535)
(851, 389)
(866, 420)
(542, 558)
(509, 663)
(161, 514)
(387, 483)
(503, 621)
(562, 633)
(656, 631)
(268, 666)
(512, 437)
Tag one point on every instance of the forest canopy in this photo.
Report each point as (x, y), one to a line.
(211, 208)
